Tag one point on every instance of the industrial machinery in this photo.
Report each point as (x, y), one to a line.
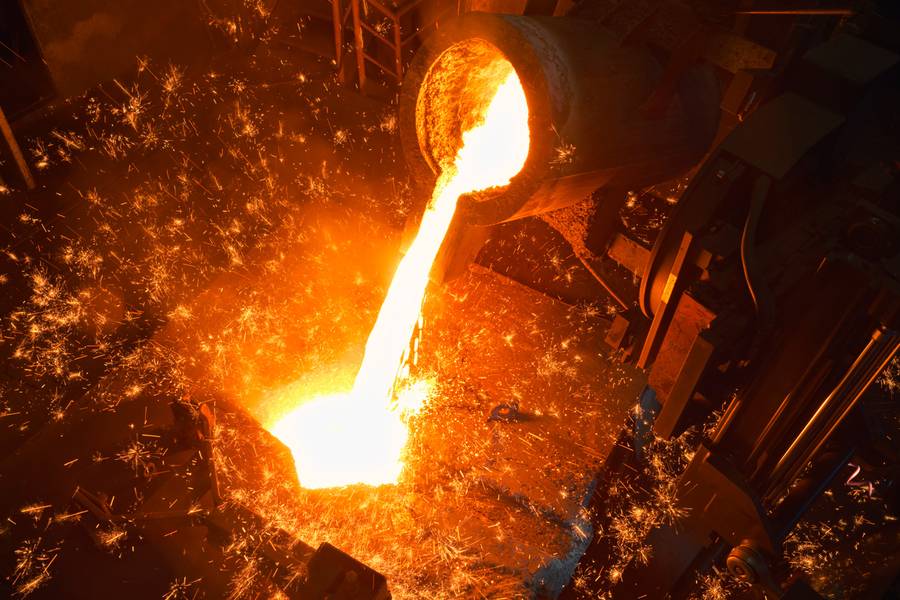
(771, 292)
(762, 309)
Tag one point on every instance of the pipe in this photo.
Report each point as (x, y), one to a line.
(844, 12)
(879, 351)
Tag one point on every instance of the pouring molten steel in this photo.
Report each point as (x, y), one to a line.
(359, 437)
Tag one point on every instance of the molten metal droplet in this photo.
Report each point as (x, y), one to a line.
(359, 437)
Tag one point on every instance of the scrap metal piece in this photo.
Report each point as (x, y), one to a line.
(97, 507)
(507, 411)
(628, 253)
(735, 53)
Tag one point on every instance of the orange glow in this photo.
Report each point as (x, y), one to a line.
(359, 437)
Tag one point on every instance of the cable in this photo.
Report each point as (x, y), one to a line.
(759, 290)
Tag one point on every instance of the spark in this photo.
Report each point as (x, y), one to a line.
(179, 589)
(26, 557)
(382, 27)
(69, 139)
(238, 86)
(563, 153)
(32, 584)
(112, 537)
(151, 137)
(173, 79)
(133, 110)
(41, 155)
(31, 568)
(116, 145)
(244, 580)
(890, 377)
(137, 454)
(242, 122)
(389, 123)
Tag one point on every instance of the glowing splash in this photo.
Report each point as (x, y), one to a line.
(359, 437)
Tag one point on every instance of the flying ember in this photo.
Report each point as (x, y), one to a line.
(359, 437)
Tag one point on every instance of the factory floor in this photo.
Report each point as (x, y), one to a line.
(227, 231)
(148, 189)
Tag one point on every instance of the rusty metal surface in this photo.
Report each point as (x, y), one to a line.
(736, 96)
(628, 253)
(689, 320)
(733, 52)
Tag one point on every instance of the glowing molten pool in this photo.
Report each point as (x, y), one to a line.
(359, 437)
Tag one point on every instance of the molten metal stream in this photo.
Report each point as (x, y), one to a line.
(359, 437)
